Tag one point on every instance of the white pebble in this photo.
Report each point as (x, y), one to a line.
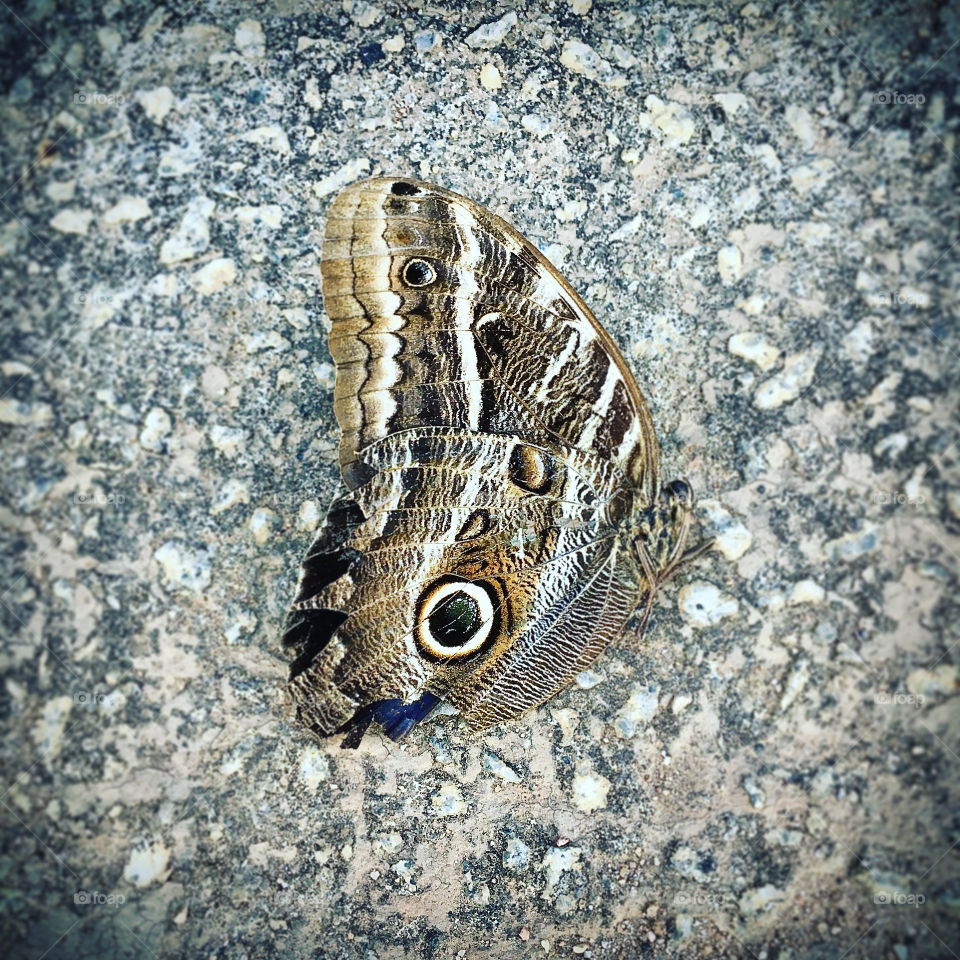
(214, 276)
(490, 78)
(156, 428)
(704, 604)
(754, 347)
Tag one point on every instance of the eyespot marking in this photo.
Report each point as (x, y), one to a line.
(476, 525)
(530, 469)
(419, 273)
(401, 189)
(455, 618)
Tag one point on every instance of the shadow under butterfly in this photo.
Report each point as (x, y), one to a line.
(504, 514)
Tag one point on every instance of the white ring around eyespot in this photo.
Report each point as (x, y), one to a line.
(473, 590)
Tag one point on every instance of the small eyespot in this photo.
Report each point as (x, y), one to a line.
(530, 469)
(401, 189)
(455, 618)
(418, 273)
(679, 489)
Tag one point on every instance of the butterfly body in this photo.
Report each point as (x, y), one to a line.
(504, 514)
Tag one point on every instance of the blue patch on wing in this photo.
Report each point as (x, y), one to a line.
(396, 717)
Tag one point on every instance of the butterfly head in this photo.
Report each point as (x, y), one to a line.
(664, 529)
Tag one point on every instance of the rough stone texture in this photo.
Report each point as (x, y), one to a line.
(773, 772)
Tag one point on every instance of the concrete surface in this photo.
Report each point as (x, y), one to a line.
(759, 201)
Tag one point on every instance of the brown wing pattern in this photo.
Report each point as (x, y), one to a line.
(495, 341)
(494, 446)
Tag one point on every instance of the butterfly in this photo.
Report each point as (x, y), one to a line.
(503, 514)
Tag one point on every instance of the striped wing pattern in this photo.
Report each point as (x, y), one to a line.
(496, 453)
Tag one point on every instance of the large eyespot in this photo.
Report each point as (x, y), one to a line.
(455, 618)
(419, 273)
(402, 189)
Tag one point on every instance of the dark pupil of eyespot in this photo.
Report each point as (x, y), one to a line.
(455, 620)
(418, 272)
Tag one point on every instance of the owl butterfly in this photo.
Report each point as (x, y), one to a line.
(503, 514)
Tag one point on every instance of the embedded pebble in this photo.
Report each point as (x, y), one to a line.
(232, 493)
(497, 767)
(556, 862)
(214, 276)
(356, 168)
(490, 78)
(806, 591)
(859, 343)
(156, 428)
(754, 347)
(940, 681)
(760, 899)
(426, 41)
(796, 681)
(731, 103)
(679, 702)
(589, 678)
(855, 544)
(580, 58)
(810, 176)
(448, 801)
(640, 709)
(183, 566)
(393, 44)
(268, 214)
(248, 38)
(262, 524)
(125, 210)
(147, 864)
(590, 790)
(731, 538)
(516, 854)
(754, 791)
(72, 220)
(491, 34)
(21, 413)
(265, 340)
(729, 264)
(192, 236)
(672, 119)
(61, 191)
(156, 103)
(362, 13)
(243, 625)
(314, 767)
(802, 124)
(270, 136)
(227, 440)
(704, 604)
(48, 731)
(786, 386)
(308, 516)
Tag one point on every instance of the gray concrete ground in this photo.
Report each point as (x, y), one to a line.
(759, 202)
